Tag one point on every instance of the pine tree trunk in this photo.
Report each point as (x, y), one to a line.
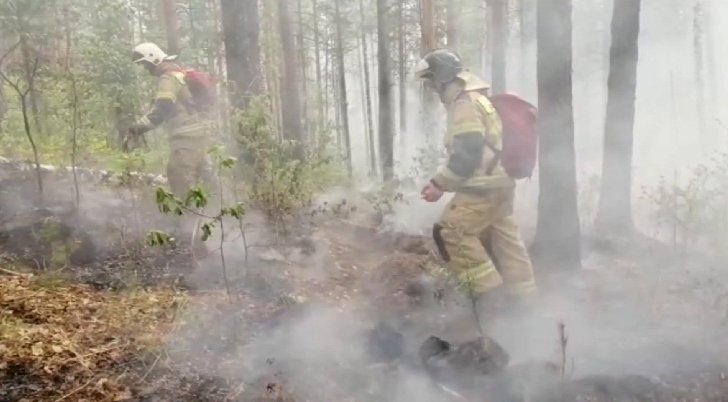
(558, 238)
(344, 104)
(290, 96)
(710, 19)
(169, 9)
(452, 24)
(317, 54)
(528, 40)
(402, 57)
(240, 26)
(386, 126)
(364, 115)
(368, 94)
(429, 100)
(615, 212)
(499, 17)
(698, 55)
(304, 76)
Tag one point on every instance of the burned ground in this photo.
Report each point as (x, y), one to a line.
(293, 320)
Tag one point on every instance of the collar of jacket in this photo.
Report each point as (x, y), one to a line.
(465, 81)
(452, 90)
(164, 67)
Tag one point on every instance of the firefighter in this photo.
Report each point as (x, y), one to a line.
(477, 226)
(187, 128)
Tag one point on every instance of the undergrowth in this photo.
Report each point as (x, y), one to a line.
(691, 207)
(280, 185)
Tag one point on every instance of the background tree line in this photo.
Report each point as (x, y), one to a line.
(325, 84)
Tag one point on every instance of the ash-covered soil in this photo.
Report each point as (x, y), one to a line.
(293, 320)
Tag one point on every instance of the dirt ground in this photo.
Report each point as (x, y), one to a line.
(292, 324)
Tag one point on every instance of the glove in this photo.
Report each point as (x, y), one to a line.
(431, 192)
(139, 129)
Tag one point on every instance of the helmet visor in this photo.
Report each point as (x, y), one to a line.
(136, 57)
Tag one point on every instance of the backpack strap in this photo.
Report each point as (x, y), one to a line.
(496, 152)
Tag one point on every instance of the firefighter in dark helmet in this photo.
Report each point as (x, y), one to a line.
(477, 225)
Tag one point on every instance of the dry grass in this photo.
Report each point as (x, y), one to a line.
(61, 342)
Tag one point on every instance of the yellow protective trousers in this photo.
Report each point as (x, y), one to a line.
(188, 164)
(481, 244)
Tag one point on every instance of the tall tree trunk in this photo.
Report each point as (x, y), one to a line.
(402, 57)
(499, 18)
(337, 102)
(344, 104)
(528, 40)
(368, 96)
(386, 126)
(169, 9)
(364, 116)
(698, 54)
(429, 42)
(241, 34)
(317, 58)
(33, 95)
(710, 19)
(452, 24)
(290, 97)
(615, 212)
(558, 237)
(304, 76)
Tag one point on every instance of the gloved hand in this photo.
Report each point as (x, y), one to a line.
(139, 129)
(431, 192)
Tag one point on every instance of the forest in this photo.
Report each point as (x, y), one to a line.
(318, 278)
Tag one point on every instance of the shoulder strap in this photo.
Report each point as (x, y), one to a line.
(475, 96)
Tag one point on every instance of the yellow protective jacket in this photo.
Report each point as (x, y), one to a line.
(471, 119)
(172, 104)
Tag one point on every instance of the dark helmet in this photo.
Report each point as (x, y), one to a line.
(439, 65)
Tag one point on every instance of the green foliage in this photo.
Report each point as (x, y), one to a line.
(423, 166)
(86, 87)
(279, 184)
(196, 199)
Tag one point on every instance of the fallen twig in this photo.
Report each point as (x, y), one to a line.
(563, 341)
(150, 368)
(14, 273)
(74, 391)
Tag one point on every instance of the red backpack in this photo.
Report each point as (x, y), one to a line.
(520, 139)
(201, 88)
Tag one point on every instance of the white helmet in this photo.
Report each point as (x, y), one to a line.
(151, 53)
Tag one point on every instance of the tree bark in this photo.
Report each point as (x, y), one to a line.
(344, 104)
(386, 146)
(317, 58)
(241, 35)
(368, 97)
(452, 24)
(713, 98)
(402, 57)
(698, 55)
(304, 75)
(290, 97)
(429, 41)
(558, 238)
(499, 17)
(615, 212)
(528, 40)
(169, 9)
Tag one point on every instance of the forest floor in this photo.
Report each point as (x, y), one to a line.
(642, 324)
